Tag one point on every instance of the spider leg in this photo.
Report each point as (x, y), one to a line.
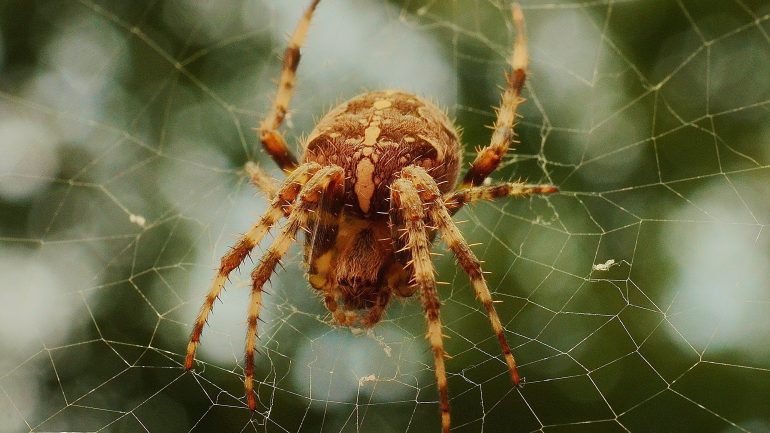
(271, 137)
(455, 200)
(261, 180)
(231, 260)
(488, 158)
(407, 212)
(328, 179)
(439, 215)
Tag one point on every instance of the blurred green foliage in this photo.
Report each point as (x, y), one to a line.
(124, 127)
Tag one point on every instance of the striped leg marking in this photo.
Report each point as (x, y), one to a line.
(271, 137)
(488, 158)
(285, 197)
(455, 200)
(329, 178)
(409, 210)
(439, 216)
(261, 180)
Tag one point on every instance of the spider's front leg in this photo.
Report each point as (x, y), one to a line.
(326, 183)
(408, 217)
(271, 137)
(488, 158)
(284, 197)
(261, 180)
(438, 215)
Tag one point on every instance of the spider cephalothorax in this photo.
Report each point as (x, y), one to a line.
(375, 184)
(376, 134)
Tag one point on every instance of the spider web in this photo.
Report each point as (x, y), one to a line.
(636, 299)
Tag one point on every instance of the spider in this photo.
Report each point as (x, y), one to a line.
(375, 184)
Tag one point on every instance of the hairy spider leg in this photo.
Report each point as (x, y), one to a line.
(272, 139)
(438, 215)
(488, 159)
(407, 212)
(286, 195)
(325, 182)
(261, 180)
(455, 200)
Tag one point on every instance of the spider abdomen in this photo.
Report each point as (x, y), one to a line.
(376, 134)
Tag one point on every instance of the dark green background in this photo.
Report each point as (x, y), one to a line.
(652, 116)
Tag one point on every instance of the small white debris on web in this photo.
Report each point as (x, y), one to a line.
(370, 378)
(604, 266)
(381, 341)
(137, 219)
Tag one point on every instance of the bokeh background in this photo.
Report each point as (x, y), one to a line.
(636, 299)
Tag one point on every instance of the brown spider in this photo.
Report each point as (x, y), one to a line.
(376, 182)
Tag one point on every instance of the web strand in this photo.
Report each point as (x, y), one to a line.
(633, 299)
